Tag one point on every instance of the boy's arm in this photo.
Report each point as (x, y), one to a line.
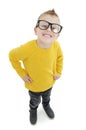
(16, 56)
(59, 64)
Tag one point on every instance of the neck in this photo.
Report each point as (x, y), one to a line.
(43, 45)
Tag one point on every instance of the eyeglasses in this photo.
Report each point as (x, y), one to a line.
(44, 25)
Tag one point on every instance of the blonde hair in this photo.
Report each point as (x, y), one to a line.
(50, 12)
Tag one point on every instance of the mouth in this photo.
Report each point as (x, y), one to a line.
(47, 35)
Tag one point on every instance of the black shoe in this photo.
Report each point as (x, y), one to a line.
(49, 111)
(33, 116)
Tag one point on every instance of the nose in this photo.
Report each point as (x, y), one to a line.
(49, 28)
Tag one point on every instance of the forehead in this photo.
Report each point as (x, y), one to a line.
(50, 18)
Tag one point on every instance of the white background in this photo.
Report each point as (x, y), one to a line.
(68, 99)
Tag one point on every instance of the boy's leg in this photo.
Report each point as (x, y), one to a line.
(46, 101)
(34, 102)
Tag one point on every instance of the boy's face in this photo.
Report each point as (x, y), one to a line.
(47, 35)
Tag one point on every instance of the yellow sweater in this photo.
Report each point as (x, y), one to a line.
(39, 63)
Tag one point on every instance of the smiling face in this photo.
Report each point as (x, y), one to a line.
(46, 37)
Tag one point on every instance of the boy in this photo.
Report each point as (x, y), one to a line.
(43, 60)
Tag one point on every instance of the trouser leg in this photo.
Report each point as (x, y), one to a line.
(34, 100)
(46, 105)
(46, 97)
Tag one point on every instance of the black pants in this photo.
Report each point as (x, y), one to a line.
(35, 98)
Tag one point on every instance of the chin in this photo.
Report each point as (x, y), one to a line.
(49, 40)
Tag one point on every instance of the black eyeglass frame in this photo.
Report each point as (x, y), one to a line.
(49, 24)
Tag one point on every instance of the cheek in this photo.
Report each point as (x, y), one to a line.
(56, 36)
(38, 32)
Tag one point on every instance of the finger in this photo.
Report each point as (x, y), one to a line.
(30, 79)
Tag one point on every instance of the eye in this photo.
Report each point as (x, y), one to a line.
(44, 26)
(55, 28)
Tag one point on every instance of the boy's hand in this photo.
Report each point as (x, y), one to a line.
(56, 77)
(27, 79)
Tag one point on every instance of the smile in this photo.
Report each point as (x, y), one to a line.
(47, 35)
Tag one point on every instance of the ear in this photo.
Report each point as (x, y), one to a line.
(35, 30)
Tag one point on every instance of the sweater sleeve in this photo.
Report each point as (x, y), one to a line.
(59, 61)
(16, 57)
